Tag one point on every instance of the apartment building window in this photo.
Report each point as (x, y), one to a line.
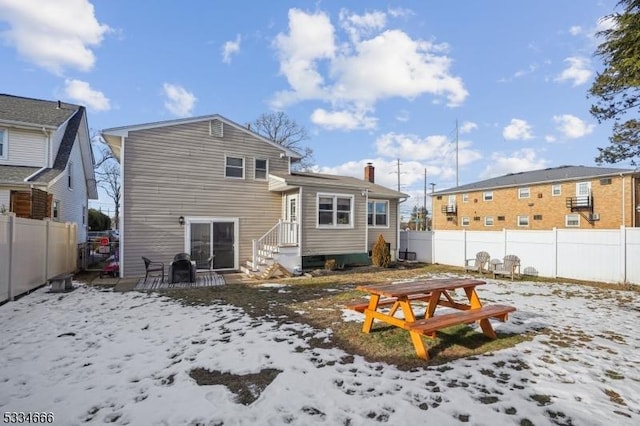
(3, 143)
(524, 192)
(487, 196)
(335, 210)
(261, 169)
(556, 190)
(523, 220)
(488, 221)
(234, 167)
(465, 198)
(572, 221)
(465, 221)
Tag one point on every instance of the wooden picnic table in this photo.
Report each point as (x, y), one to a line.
(434, 292)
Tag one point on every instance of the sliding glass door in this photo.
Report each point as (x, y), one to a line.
(206, 237)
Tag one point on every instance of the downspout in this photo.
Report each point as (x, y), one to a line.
(121, 229)
(365, 192)
(398, 229)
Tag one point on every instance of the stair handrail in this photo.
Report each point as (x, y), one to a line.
(274, 237)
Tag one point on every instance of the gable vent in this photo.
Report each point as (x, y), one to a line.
(216, 128)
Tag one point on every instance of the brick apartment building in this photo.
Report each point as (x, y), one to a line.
(558, 197)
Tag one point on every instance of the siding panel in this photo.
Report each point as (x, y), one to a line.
(179, 171)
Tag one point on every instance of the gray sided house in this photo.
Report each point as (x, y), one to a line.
(46, 163)
(208, 186)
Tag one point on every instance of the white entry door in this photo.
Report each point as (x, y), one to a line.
(290, 232)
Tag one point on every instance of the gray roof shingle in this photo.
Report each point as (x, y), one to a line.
(552, 174)
(335, 181)
(16, 109)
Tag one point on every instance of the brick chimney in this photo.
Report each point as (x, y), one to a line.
(369, 173)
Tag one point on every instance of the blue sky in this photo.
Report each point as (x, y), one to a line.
(371, 81)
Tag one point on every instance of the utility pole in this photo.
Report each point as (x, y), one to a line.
(398, 175)
(457, 152)
(433, 188)
(424, 213)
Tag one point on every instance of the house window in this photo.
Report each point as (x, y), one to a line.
(465, 221)
(572, 221)
(523, 192)
(488, 221)
(55, 210)
(465, 198)
(70, 175)
(234, 167)
(555, 190)
(261, 169)
(377, 213)
(487, 196)
(335, 210)
(537, 217)
(523, 220)
(3, 143)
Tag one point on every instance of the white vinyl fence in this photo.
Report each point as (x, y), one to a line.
(32, 251)
(609, 255)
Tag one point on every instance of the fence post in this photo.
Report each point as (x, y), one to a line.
(506, 240)
(12, 226)
(554, 272)
(464, 247)
(47, 242)
(623, 254)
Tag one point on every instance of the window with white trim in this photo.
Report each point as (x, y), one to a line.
(572, 221)
(465, 198)
(261, 169)
(524, 192)
(4, 137)
(55, 210)
(335, 210)
(487, 196)
(488, 221)
(378, 213)
(70, 175)
(234, 167)
(556, 190)
(523, 220)
(465, 221)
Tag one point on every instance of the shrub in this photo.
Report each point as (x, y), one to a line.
(380, 255)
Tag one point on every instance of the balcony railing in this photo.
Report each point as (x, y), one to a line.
(449, 209)
(580, 202)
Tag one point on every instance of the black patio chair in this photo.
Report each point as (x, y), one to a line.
(151, 266)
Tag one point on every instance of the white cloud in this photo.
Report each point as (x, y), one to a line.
(520, 161)
(230, 48)
(550, 138)
(517, 130)
(436, 148)
(344, 120)
(575, 30)
(180, 101)
(403, 115)
(572, 127)
(81, 92)
(467, 127)
(354, 75)
(578, 71)
(53, 35)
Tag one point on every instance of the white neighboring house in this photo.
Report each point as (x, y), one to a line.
(46, 163)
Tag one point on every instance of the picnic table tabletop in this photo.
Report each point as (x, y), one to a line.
(423, 286)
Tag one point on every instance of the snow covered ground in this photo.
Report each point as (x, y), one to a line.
(95, 356)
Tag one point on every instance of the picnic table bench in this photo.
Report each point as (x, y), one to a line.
(361, 305)
(436, 293)
(61, 283)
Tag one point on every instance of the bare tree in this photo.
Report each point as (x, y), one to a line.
(107, 171)
(279, 128)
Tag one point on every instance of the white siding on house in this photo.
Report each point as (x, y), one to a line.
(26, 148)
(5, 198)
(178, 171)
(72, 200)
